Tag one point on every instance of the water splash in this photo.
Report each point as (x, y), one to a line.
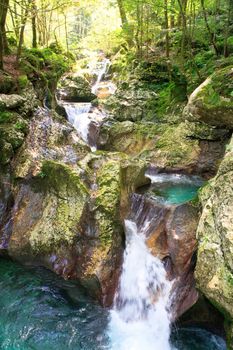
(86, 121)
(100, 70)
(174, 178)
(140, 318)
(78, 116)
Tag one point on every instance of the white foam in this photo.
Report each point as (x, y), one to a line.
(140, 319)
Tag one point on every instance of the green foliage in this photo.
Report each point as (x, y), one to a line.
(22, 81)
(5, 116)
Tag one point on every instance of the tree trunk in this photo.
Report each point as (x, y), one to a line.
(172, 15)
(208, 27)
(3, 40)
(183, 14)
(34, 31)
(122, 13)
(23, 24)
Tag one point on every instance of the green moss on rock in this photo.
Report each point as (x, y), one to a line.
(58, 197)
(215, 251)
(107, 200)
(212, 101)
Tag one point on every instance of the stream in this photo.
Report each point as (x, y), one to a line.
(86, 118)
(40, 311)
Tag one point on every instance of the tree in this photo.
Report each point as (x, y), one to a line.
(26, 8)
(3, 42)
(122, 13)
(34, 28)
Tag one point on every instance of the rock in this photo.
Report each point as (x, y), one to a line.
(133, 104)
(128, 137)
(214, 270)
(75, 89)
(212, 101)
(6, 152)
(169, 147)
(6, 200)
(66, 207)
(11, 101)
(171, 236)
(205, 132)
(7, 83)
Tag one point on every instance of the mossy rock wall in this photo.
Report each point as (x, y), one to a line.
(214, 270)
(212, 101)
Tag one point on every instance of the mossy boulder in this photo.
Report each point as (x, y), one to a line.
(131, 102)
(65, 212)
(13, 129)
(205, 132)
(75, 89)
(7, 83)
(128, 137)
(164, 145)
(186, 146)
(11, 101)
(212, 101)
(214, 270)
(57, 197)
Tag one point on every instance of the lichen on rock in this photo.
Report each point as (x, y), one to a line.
(212, 101)
(214, 271)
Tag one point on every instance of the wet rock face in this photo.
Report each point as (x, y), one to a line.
(75, 89)
(171, 237)
(214, 270)
(212, 101)
(186, 147)
(15, 112)
(62, 214)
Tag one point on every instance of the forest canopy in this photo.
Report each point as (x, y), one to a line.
(181, 29)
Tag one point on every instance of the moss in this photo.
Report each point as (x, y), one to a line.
(21, 125)
(12, 136)
(61, 177)
(108, 200)
(64, 201)
(44, 67)
(7, 84)
(218, 92)
(6, 152)
(5, 117)
(175, 148)
(22, 81)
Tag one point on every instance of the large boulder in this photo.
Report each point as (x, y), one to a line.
(214, 270)
(66, 207)
(15, 111)
(11, 101)
(132, 102)
(75, 89)
(212, 101)
(181, 146)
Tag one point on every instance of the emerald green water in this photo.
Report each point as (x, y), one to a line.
(174, 188)
(38, 313)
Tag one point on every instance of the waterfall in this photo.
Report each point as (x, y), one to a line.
(100, 70)
(78, 116)
(83, 116)
(140, 318)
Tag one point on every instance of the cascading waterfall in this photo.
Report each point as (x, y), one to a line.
(140, 319)
(78, 116)
(85, 118)
(100, 70)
